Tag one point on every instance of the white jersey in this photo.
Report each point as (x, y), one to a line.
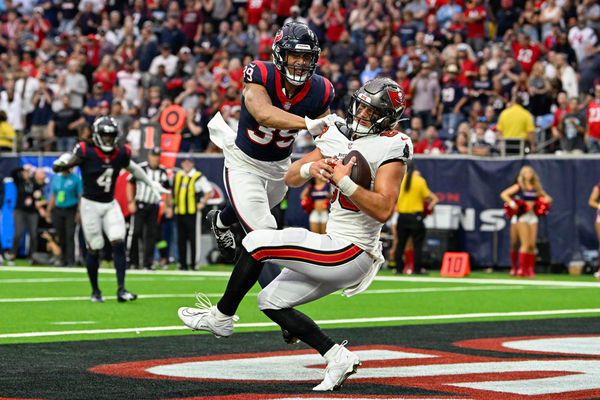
(345, 219)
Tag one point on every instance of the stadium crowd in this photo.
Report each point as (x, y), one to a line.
(474, 71)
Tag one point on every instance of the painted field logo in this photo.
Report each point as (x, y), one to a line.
(574, 377)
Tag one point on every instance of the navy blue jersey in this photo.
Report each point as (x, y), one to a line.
(99, 171)
(269, 144)
(452, 92)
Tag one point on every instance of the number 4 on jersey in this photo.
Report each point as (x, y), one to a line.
(105, 180)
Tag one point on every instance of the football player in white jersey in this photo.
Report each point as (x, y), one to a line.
(349, 255)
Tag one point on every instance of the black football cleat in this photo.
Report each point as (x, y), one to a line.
(224, 237)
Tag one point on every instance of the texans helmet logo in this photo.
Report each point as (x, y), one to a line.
(278, 36)
(397, 99)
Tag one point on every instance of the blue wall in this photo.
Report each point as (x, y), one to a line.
(474, 185)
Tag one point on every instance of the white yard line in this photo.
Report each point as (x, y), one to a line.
(324, 322)
(371, 291)
(190, 274)
(87, 298)
(111, 270)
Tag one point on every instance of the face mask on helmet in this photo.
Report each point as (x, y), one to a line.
(364, 118)
(296, 52)
(298, 67)
(375, 107)
(105, 134)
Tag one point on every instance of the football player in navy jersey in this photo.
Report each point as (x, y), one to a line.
(100, 163)
(275, 99)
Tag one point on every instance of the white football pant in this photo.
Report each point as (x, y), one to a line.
(252, 197)
(99, 217)
(315, 265)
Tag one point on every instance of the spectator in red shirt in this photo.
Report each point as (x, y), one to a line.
(265, 41)
(282, 9)
(467, 66)
(431, 144)
(593, 122)
(38, 26)
(92, 50)
(255, 8)
(191, 18)
(475, 16)
(525, 51)
(335, 18)
(107, 75)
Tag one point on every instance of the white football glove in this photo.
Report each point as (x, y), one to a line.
(158, 189)
(316, 126)
(59, 163)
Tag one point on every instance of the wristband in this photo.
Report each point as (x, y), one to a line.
(305, 170)
(512, 204)
(347, 186)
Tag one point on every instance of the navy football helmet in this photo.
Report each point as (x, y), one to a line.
(380, 102)
(296, 37)
(105, 132)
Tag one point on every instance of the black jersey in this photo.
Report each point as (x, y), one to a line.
(99, 171)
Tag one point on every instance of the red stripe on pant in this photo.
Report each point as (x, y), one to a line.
(306, 254)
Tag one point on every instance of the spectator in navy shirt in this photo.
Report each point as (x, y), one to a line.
(63, 125)
(147, 48)
(453, 97)
(172, 34)
(408, 30)
(207, 45)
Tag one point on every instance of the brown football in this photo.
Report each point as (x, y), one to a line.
(361, 172)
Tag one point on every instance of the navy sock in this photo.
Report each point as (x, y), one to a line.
(91, 263)
(269, 272)
(227, 215)
(303, 327)
(119, 258)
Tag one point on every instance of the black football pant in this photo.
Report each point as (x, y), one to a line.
(410, 225)
(186, 234)
(63, 220)
(145, 232)
(25, 219)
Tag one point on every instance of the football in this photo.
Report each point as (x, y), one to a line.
(361, 172)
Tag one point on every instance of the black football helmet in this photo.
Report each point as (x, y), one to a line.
(105, 132)
(381, 102)
(295, 37)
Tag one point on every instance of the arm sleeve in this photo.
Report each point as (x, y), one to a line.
(139, 173)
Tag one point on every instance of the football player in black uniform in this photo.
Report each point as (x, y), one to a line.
(100, 163)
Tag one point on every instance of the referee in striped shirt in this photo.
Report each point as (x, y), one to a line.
(144, 208)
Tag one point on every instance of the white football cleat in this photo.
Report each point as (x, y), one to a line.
(342, 364)
(203, 317)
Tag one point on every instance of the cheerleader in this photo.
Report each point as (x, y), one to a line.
(522, 198)
(320, 193)
(593, 202)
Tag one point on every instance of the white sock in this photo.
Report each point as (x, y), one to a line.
(220, 224)
(331, 353)
(220, 315)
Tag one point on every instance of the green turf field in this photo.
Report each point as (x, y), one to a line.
(45, 304)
